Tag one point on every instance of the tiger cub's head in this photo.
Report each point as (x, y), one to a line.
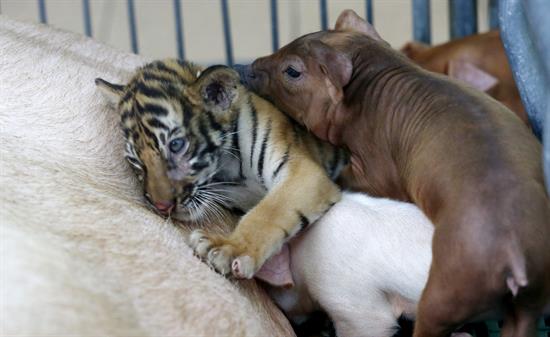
(177, 121)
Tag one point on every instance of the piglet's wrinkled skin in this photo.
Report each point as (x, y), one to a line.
(465, 159)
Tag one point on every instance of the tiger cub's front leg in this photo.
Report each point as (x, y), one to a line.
(298, 199)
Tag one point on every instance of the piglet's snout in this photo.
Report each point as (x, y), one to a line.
(245, 72)
(252, 77)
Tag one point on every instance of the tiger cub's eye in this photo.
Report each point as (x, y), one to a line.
(176, 145)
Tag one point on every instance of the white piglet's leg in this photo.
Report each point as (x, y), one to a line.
(374, 317)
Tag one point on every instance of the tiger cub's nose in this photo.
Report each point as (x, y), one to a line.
(164, 207)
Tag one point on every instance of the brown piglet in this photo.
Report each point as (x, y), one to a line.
(465, 159)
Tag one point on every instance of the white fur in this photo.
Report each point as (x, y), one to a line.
(80, 254)
(365, 263)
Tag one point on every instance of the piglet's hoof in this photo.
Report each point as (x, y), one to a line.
(243, 267)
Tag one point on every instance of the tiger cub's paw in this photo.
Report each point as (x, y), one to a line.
(222, 254)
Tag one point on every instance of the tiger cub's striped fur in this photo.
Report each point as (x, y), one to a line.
(201, 142)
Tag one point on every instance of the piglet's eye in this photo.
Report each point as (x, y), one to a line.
(292, 72)
(176, 145)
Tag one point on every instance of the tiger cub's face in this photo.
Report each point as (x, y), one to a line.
(177, 121)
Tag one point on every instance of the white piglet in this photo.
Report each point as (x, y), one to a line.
(365, 263)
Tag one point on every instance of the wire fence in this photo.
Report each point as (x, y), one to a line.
(462, 14)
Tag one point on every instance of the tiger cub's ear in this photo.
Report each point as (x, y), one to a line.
(113, 92)
(217, 86)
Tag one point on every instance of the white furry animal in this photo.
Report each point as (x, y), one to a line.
(365, 263)
(80, 253)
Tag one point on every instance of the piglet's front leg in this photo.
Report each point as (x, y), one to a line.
(293, 203)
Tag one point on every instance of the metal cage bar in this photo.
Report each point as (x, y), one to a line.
(227, 33)
(42, 11)
(179, 29)
(369, 11)
(422, 30)
(87, 17)
(493, 14)
(274, 26)
(132, 23)
(463, 17)
(324, 14)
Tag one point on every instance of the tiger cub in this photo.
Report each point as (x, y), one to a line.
(199, 141)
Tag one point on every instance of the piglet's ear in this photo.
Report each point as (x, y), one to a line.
(336, 66)
(469, 73)
(217, 87)
(348, 20)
